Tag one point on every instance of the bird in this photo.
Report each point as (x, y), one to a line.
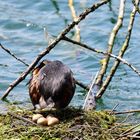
(52, 85)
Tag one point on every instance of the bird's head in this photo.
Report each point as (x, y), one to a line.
(41, 65)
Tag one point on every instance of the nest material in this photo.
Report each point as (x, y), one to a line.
(75, 124)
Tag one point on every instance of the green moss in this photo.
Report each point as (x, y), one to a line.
(74, 123)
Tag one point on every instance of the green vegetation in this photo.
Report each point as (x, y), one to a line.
(74, 123)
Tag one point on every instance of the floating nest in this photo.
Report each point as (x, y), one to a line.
(75, 124)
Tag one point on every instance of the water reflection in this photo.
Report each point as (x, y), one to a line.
(56, 6)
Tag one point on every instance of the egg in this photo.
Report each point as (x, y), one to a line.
(42, 121)
(52, 120)
(36, 117)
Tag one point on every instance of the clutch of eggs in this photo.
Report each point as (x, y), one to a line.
(49, 120)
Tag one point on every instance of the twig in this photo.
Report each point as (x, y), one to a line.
(131, 133)
(130, 129)
(112, 111)
(125, 112)
(121, 53)
(13, 55)
(9, 52)
(89, 95)
(82, 85)
(137, 7)
(52, 45)
(104, 53)
(133, 137)
(116, 125)
(111, 42)
(22, 118)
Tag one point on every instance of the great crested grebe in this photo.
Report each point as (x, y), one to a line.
(52, 85)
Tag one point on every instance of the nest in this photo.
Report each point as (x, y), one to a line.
(75, 124)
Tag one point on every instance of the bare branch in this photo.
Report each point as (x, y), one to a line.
(13, 55)
(111, 42)
(112, 111)
(22, 118)
(104, 53)
(81, 84)
(90, 102)
(137, 7)
(130, 129)
(18, 59)
(121, 53)
(125, 112)
(52, 45)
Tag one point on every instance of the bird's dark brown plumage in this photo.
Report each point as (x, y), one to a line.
(52, 85)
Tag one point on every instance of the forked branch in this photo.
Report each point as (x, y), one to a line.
(121, 52)
(104, 53)
(111, 42)
(52, 45)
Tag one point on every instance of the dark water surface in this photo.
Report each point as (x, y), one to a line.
(23, 28)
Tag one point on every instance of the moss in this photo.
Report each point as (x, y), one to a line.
(74, 124)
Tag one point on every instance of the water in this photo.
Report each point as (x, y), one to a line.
(23, 27)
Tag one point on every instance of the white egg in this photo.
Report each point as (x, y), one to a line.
(42, 121)
(36, 117)
(52, 120)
